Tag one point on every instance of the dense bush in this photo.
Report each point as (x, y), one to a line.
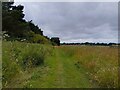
(33, 57)
(39, 39)
(55, 41)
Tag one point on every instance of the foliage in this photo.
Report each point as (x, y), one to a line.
(55, 41)
(17, 28)
(12, 19)
(34, 28)
(37, 38)
(17, 57)
(33, 57)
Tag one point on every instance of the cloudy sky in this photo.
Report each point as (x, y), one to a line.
(75, 21)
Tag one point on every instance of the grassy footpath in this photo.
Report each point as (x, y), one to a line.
(74, 77)
(60, 73)
(63, 67)
(71, 76)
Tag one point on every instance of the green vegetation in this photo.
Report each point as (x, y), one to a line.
(55, 41)
(27, 65)
(17, 57)
(100, 63)
(15, 27)
(30, 61)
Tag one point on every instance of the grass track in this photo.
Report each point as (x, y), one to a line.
(61, 73)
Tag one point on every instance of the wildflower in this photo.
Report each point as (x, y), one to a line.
(23, 40)
(30, 85)
(16, 60)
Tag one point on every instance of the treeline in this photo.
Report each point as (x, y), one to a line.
(15, 27)
(88, 43)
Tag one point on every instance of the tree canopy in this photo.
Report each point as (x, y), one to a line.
(55, 41)
(17, 28)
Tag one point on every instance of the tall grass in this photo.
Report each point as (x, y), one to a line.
(18, 57)
(100, 63)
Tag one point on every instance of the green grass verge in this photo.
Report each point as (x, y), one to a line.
(61, 66)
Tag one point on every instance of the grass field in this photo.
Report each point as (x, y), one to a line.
(63, 67)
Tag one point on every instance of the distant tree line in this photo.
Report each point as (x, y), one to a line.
(15, 27)
(88, 43)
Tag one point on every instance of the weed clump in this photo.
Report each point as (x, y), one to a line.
(33, 57)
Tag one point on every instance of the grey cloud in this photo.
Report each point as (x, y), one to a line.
(75, 21)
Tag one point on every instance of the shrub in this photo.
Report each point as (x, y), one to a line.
(55, 41)
(39, 39)
(33, 57)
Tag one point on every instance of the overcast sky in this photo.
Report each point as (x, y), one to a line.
(75, 22)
